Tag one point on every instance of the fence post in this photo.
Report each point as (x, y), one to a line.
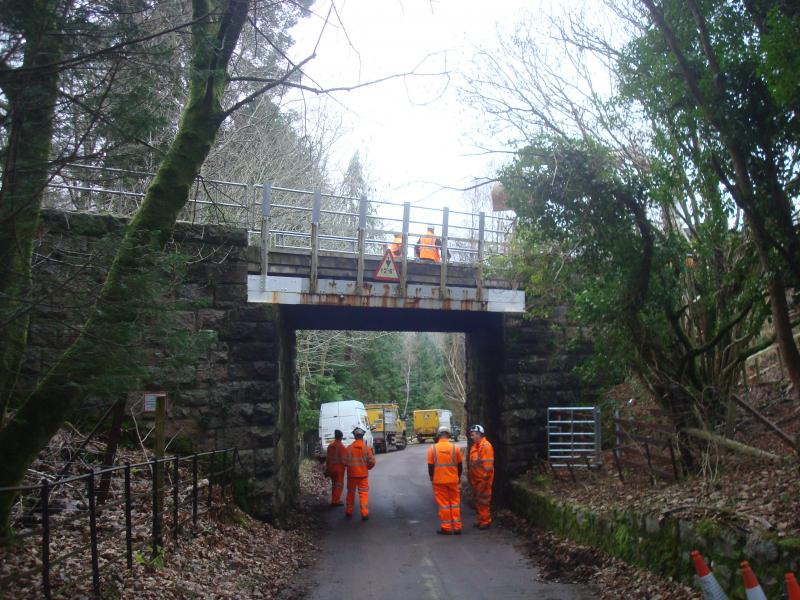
(361, 249)
(672, 459)
(159, 470)
(210, 478)
(194, 489)
(156, 509)
(128, 525)
(443, 263)
(479, 281)
(619, 466)
(649, 464)
(45, 500)
(175, 498)
(315, 219)
(93, 534)
(224, 473)
(266, 199)
(404, 258)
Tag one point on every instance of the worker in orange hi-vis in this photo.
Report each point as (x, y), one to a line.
(396, 246)
(481, 474)
(428, 247)
(445, 463)
(359, 461)
(335, 467)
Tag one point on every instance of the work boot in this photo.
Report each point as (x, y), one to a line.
(443, 531)
(365, 517)
(348, 515)
(457, 532)
(484, 527)
(337, 504)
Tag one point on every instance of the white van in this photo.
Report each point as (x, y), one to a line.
(345, 415)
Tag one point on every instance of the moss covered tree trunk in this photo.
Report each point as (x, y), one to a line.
(31, 91)
(113, 322)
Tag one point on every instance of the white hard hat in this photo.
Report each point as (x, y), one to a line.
(358, 431)
(443, 429)
(478, 429)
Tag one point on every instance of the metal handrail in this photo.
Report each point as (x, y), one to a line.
(220, 478)
(251, 204)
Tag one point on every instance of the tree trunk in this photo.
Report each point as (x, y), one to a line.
(31, 91)
(784, 337)
(214, 35)
(706, 436)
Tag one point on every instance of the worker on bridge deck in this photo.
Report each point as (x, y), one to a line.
(359, 461)
(445, 463)
(335, 464)
(481, 474)
(428, 247)
(396, 246)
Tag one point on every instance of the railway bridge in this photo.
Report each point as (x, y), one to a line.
(270, 261)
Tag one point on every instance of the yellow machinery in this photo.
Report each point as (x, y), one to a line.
(427, 423)
(388, 429)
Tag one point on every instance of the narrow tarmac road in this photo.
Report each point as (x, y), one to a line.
(397, 554)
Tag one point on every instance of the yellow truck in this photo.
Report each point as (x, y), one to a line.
(427, 423)
(388, 429)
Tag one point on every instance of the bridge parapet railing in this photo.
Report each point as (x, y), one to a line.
(344, 224)
(291, 215)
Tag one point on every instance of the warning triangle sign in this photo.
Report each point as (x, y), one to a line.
(387, 269)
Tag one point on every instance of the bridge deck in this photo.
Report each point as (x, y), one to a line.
(291, 278)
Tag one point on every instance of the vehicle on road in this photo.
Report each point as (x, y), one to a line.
(388, 429)
(345, 416)
(427, 423)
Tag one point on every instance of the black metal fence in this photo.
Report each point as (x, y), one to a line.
(129, 498)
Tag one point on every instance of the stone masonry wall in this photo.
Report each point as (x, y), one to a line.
(231, 395)
(663, 543)
(515, 374)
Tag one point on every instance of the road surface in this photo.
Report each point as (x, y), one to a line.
(397, 554)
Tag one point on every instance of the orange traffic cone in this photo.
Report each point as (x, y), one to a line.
(708, 583)
(792, 587)
(751, 587)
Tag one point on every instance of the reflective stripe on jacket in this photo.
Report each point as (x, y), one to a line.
(481, 460)
(428, 248)
(337, 454)
(359, 459)
(445, 457)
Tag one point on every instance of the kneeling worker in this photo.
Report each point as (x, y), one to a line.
(481, 474)
(444, 469)
(360, 460)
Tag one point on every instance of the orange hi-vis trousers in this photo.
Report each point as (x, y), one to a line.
(448, 499)
(362, 483)
(483, 499)
(337, 484)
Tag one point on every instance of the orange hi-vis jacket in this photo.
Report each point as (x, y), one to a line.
(481, 461)
(336, 457)
(396, 246)
(445, 457)
(360, 459)
(428, 248)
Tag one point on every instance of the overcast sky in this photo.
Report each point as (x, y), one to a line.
(413, 132)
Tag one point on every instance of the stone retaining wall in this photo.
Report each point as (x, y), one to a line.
(664, 545)
(231, 395)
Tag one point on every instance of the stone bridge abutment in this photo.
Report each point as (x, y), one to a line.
(241, 391)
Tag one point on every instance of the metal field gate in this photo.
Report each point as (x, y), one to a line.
(573, 436)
